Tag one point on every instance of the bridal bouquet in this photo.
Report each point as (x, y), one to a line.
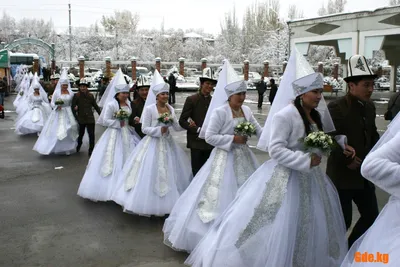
(59, 102)
(319, 143)
(245, 129)
(165, 118)
(121, 115)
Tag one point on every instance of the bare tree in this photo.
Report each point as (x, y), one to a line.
(295, 13)
(332, 7)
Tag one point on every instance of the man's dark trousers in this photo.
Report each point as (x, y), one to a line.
(198, 157)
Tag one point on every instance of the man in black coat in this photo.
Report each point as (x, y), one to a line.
(273, 91)
(354, 116)
(193, 114)
(172, 88)
(142, 87)
(83, 103)
(261, 88)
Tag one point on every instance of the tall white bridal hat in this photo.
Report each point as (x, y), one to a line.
(120, 85)
(157, 86)
(308, 83)
(228, 84)
(234, 84)
(297, 68)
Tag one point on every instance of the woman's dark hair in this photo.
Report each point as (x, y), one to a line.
(116, 98)
(315, 116)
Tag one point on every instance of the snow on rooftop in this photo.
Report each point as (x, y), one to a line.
(192, 35)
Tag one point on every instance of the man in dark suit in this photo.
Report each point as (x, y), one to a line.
(82, 105)
(172, 88)
(193, 114)
(354, 116)
(273, 91)
(142, 87)
(261, 88)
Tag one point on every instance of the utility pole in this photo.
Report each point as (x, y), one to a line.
(70, 33)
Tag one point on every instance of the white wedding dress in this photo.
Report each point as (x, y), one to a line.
(109, 155)
(60, 132)
(285, 215)
(35, 118)
(157, 171)
(382, 167)
(215, 185)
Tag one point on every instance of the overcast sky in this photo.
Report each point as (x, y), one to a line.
(183, 14)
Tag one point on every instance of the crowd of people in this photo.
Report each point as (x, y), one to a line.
(221, 205)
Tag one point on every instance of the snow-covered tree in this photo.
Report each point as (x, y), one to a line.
(394, 2)
(123, 21)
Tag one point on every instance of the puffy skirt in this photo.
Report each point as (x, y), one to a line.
(156, 173)
(106, 163)
(382, 240)
(59, 133)
(33, 121)
(209, 194)
(280, 217)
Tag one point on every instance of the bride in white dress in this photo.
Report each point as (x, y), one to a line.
(288, 213)
(158, 170)
(382, 167)
(60, 132)
(113, 148)
(230, 164)
(38, 112)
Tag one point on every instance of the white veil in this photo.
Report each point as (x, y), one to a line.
(57, 90)
(109, 93)
(36, 84)
(297, 67)
(219, 97)
(117, 80)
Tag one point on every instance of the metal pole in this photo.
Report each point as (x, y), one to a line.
(70, 33)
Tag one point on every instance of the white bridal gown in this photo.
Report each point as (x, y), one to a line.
(157, 171)
(286, 214)
(108, 157)
(60, 132)
(215, 185)
(382, 167)
(35, 118)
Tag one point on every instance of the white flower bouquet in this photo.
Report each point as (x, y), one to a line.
(245, 129)
(59, 102)
(319, 143)
(165, 118)
(121, 115)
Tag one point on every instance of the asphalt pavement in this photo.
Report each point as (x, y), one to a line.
(44, 223)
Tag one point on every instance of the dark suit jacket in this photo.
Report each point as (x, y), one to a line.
(272, 93)
(195, 107)
(85, 103)
(137, 108)
(356, 120)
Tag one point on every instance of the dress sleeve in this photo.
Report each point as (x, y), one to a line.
(278, 147)
(146, 124)
(382, 166)
(109, 120)
(213, 132)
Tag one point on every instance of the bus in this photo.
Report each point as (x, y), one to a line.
(17, 59)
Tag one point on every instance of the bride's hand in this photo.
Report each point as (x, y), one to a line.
(239, 139)
(315, 160)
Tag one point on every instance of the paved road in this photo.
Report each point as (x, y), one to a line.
(44, 223)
